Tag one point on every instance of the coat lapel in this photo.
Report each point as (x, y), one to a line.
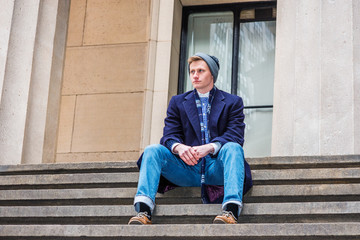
(216, 109)
(192, 114)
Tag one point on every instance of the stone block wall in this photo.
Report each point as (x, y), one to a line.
(104, 80)
(121, 69)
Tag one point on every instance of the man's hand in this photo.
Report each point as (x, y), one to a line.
(187, 154)
(204, 150)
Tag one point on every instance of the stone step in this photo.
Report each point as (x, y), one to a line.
(88, 167)
(259, 193)
(180, 214)
(343, 161)
(129, 179)
(269, 231)
(68, 180)
(293, 198)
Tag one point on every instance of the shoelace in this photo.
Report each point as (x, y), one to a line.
(141, 214)
(228, 214)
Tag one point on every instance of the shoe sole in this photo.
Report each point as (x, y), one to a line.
(137, 222)
(219, 221)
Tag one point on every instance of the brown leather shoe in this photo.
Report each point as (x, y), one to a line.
(225, 218)
(142, 218)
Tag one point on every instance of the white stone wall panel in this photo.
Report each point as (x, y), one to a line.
(307, 75)
(356, 67)
(7, 9)
(33, 66)
(316, 95)
(337, 99)
(13, 109)
(41, 96)
(284, 85)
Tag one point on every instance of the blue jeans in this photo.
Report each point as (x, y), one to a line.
(226, 169)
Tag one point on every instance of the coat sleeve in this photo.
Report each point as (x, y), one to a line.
(235, 126)
(173, 129)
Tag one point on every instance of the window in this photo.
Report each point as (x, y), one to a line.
(242, 36)
(212, 32)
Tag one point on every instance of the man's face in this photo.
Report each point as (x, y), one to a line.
(201, 77)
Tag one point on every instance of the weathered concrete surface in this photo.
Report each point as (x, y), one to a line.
(320, 191)
(193, 210)
(69, 178)
(306, 174)
(240, 231)
(284, 191)
(255, 163)
(350, 174)
(46, 83)
(80, 167)
(304, 161)
(15, 95)
(5, 23)
(315, 102)
(32, 52)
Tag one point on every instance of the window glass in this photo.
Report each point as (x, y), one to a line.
(256, 63)
(212, 33)
(251, 76)
(256, 83)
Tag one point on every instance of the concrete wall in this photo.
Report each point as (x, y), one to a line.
(356, 72)
(31, 53)
(104, 80)
(318, 81)
(120, 68)
(166, 65)
(316, 102)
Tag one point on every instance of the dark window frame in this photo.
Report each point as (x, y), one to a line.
(236, 8)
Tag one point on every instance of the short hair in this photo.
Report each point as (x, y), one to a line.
(194, 59)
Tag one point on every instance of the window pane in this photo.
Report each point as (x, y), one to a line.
(212, 33)
(258, 132)
(256, 63)
(256, 83)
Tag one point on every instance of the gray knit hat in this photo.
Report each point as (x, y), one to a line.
(212, 62)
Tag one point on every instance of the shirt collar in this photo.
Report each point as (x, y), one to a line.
(202, 95)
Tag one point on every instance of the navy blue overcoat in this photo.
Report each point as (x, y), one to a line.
(226, 124)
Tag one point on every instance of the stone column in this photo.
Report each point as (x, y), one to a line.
(32, 81)
(7, 7)
(315, 102)
(356, 70)
(162, 79)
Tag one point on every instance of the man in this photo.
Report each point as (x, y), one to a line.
(201, 146)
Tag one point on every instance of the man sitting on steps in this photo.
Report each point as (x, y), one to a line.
(201, 146)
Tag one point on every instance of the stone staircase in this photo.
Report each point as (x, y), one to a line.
(292, 198)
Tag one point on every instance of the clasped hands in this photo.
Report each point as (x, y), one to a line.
(191, 155)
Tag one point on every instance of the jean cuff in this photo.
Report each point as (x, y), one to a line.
(240, 205)
(146, 200)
